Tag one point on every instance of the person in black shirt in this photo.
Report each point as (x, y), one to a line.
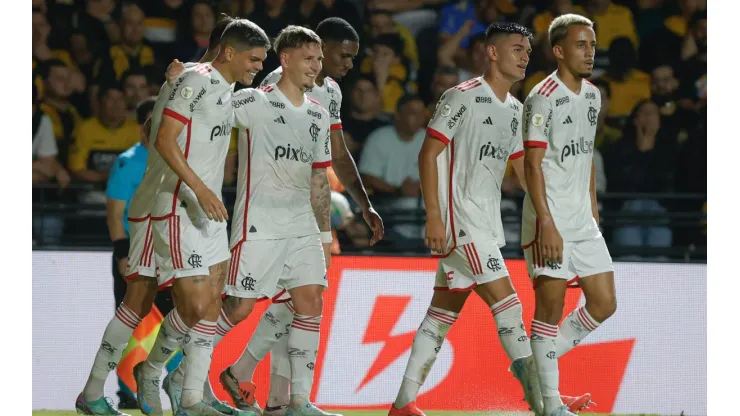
(365, 115)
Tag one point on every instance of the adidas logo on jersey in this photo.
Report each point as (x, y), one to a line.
(462, 234)
(280, 120)
(488, 121)
(568, 120)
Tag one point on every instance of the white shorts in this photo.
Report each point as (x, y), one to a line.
(143, 261)
(185, 248)
(470, 265)
(580, 259)
(265, 268)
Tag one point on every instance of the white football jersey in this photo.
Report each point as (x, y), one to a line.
(328, 95)
(482, 134)
(279, 145)
(557, 119)
(200, 99)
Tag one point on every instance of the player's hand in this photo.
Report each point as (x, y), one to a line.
(212, 206)
(551, 243)
(375, 223)
(436, 236)
(174, 70)
(63, 178)
(327, 254)
(122, 265)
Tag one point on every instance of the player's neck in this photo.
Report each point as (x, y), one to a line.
(499, 84)
(571, 81)
(320, 78)
(292, 92)
(222, 69)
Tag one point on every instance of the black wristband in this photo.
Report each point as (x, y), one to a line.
(120, 248)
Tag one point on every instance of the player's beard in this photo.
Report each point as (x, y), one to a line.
(585, 75)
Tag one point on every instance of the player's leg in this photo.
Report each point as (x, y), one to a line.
(280, 375)
(441, 315)
(136, 304)
(305, 282)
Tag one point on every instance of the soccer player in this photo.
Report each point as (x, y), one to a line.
(141, 285)
(281, 233)
(560, 231)
(180, 198)
(474, 131)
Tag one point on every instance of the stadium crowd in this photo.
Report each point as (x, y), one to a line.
(94, 60)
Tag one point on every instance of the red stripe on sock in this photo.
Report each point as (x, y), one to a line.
(290, 306)
(307, 323)
(584, 319)
(125, 320)
(445, 319)
(541, 328)
(506, 306)
(304, 329)
(175, 324)
(129, 315)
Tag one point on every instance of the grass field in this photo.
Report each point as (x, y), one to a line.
(347, 413)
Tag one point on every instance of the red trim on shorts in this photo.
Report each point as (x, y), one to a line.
(177, 116)
(535, 143)
(139, 219)
(516, 155)
(437, 135)
(336, 126)
(447, 289)
(573, 283)
(319, 165)
(131, 276)
(274, 298)
(281, 300)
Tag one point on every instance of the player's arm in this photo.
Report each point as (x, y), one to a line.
(592, 188)
(518, 165)
(176, 115)
(537, 120)
(321, 204)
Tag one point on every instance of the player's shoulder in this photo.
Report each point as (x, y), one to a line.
(592, 92)
(468, 88)
(546, 91)
(246, 96)
(272, 77)
(515, 104)
(314, 105)
(333, 86)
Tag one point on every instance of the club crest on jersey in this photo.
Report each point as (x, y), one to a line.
(186, 92)
(583, 147)
(489, 150)
(592, 116)
(456, 117)
(333, 109)
(314, 131)
(514, 125)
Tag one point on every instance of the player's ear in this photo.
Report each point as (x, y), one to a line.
(492, 52)
(557, 50)
(283, 58)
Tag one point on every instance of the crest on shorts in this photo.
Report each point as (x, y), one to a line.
(186, 92)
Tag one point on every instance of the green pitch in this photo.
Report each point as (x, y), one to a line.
(345, 413)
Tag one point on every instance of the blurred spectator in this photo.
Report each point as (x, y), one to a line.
(628, 84)
(475, 59)
(541, 22)
(273, 16)
(365, 114)
(694, 69)
(195, 44)
(391, 75)
(605, 134)
(648, 18)
(56, 106)
(667, 42)
(477, 14)
(691, 177)
(611, 21)
(381, 23)
(543, 59)
(47, 228)
(99, 140)
(135, 89)
(643, 161)
(312, 12)
(165, 22)
(42, 53)
(241, 8)
(416, 15)
(389, 164)
(132, 53)
(445, 78)
(664, 87)
(97, 23)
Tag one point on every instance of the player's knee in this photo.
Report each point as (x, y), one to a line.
(237, 309)
(550, 308)
(194, 311)
(603, 309)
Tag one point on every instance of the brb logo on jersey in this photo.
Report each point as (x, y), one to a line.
(583, 147)
(489, 150)
(292, 153)
(278, 105)
(223, 130)
(314, 114)
(456, 117)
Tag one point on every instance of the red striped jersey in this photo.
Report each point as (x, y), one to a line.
(564, 123)
(481, 133)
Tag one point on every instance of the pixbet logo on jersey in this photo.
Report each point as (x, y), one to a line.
(582, 147)
(292, 153)
(223, 130)
(494, 152)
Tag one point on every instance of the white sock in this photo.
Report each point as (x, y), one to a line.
(427, 342)
(171, 335)
(223, 326)
(197, 353)
(543, 349)
(303, 344)
(272, 327)
(511, 331)
(115, 339)
(280, 374)
(576, 326)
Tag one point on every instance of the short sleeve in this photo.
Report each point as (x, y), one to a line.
(449, 114)
(322, 152)
(537, 121)
(335, 108)
(240, 101)
(119, 187)
(186, 96)
(271, 78)
(47, 143)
